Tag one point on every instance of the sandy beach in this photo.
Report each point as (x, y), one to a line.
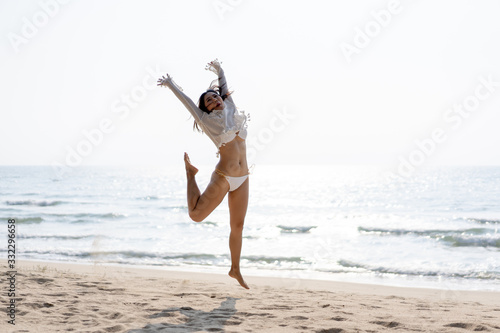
(55, 297)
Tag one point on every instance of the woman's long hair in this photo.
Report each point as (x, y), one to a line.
(203, 107)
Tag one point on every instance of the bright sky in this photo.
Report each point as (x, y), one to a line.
(335, 82)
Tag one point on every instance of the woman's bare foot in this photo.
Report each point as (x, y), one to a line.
(235, 274)
(191, 171)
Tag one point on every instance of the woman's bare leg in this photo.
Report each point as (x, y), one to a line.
(238, 203)
(193, 192)
(201, 205)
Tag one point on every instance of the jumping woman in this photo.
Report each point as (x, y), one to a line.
(218, 117)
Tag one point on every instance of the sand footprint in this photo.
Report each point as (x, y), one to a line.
(388, 324)
(471, 327)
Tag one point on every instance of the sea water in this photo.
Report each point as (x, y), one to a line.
(437, 228)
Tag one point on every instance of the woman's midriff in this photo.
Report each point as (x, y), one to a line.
(233, 158)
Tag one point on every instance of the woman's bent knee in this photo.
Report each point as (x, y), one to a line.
(195, 216)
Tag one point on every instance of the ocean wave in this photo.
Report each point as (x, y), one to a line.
(431, 233)
(101, 215)
(465, 241)
(210, 223)
(122, 254)
(181, 258)
(55, 237)
(34, 203)
(148, 197)
(297, 229)
(272, 260)
(69, 217)
(28, 220)
(83, 216)
(357, 267)
(484, 221)
(181, 207)
(473, 237)
(251, 237)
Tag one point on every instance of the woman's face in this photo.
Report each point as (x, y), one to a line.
(213, 101)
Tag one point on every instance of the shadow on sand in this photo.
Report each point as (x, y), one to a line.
(196, 320)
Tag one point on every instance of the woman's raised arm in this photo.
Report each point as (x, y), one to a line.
(215, 67)
(188, 103)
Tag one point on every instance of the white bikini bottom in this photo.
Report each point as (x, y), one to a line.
(234, 182)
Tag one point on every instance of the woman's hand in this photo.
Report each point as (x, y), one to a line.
(163, 80)
(214, 66)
